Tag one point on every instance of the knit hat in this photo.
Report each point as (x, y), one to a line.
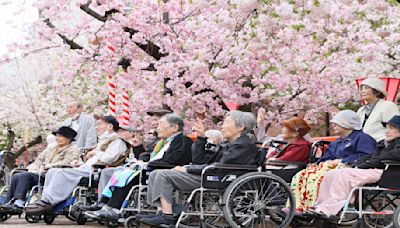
(297, 124)
(375, 83)
(347, 119)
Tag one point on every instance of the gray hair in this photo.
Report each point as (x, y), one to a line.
(243, 119)
(214, 134)
(77, 103)
(174, 119)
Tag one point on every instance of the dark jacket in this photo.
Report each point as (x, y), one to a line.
(242, 151)
(350, 149)
(389, 152)
(178, 153)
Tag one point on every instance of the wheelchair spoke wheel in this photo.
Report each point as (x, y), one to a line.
(396, 218)
(256, 200)
(379, 220)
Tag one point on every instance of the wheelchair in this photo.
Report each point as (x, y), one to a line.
(32, 196)
(376, 205)
(135, 201)
(243, 196)
(83, 195)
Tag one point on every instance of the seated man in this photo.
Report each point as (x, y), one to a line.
(60, 183)
(174, 148)
(337, 184)
(240, 149)
(60, 154)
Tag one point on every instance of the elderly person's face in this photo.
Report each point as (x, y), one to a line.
(229, 129)
(339, 130)
(288, 133)
(62, 140)
(72, 109)
(367, 93)
(165, 129)
(102, 126)
(391, 132)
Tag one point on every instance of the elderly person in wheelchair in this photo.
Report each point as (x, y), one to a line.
(337, 184)
(173, 148)
(352, 145)
(60, 182)
(240, 149)
(59, 154)
(298, 149)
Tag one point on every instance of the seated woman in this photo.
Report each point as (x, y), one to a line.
(60, 154)
(376, 110)
(298, 149)
(337, 184)
(352, 145)
(173, 148)
(240, 149)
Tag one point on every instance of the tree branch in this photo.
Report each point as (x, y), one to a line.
(92, 13)
(70, 42)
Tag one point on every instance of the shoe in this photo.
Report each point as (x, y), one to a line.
(158, 220)
(11, 209)
(94, 207)
(90, 214)
(107, 215)
(38, 208)
(143, 215)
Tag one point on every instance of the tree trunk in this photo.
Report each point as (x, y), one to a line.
(9, 157)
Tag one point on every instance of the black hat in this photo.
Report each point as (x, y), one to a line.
(158, 112)
(67, 132)
(111, 120)
(395, 122)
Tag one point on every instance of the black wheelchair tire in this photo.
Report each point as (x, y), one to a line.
(49, 218)
(33, 218)
(240, 181)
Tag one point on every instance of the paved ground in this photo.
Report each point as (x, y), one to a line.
(61, 221)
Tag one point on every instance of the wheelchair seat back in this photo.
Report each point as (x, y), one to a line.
(317, 150)
(390, 177)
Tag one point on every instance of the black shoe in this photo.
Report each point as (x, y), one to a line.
(142, 215)
(94, 207)
(158, 220)
(11, 209)
(108, 215)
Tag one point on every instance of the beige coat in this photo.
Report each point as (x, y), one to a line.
(382, 112)
(54, 156)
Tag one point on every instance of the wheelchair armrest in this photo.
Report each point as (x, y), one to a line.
(99, 166)
(20, 169)
(160, 165)
(284, 163)
(391, 162)
(61, 166)
(233, 166)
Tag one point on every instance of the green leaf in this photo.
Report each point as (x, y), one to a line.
(297, 27)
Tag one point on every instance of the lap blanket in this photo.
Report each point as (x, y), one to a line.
(120, 179)
(305, 185)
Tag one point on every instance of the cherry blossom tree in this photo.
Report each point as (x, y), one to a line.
(193, 56)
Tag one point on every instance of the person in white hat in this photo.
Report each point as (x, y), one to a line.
(376, 110)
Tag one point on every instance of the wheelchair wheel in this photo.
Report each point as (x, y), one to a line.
(4, 217)
(32, 218)
(257, 199)
(213, 217)
(49, 218)
(380, 220)
(130, 222)
(81, 219)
